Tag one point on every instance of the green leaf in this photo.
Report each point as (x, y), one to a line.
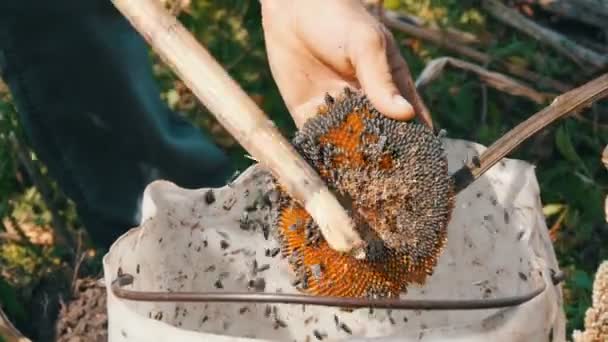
(565, 146)
(552, 209)
(392, 4)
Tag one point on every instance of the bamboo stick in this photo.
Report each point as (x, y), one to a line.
(241, 117)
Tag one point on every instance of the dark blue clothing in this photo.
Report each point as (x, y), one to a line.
(83, 85)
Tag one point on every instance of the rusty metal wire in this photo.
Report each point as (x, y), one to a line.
(343, 302)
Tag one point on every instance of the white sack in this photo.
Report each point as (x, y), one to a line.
(498, 245)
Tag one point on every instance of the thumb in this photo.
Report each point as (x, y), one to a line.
(369, 57)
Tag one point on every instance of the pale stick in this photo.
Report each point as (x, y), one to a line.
(241, 117)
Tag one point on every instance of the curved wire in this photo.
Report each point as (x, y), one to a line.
(343, 302)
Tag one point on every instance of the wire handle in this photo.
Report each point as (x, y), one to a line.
(126, 279)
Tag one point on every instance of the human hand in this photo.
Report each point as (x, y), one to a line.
(316, 47)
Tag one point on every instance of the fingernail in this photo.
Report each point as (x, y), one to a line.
(405, 108)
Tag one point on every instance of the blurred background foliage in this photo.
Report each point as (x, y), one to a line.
(567, 154)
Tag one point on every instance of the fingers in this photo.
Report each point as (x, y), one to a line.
(308, 108)
(368, 53)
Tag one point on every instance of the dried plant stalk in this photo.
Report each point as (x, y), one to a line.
(560, 43)
(605, 157)
(494, 79)
(8, 332)
(605, 161)
(593, 12)
(394, 21)
(240, 115)
(376, 8)
(62, 235)
(563, 105)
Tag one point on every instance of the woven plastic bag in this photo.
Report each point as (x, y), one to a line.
(202, 240)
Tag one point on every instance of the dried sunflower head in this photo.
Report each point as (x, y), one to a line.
(392, 177)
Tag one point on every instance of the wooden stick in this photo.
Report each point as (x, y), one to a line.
(9, 236)
(593, 12)
(241, 117)
(569, 48)
(563, 105)
(605, 162)
(3, 87)
(393, 20)
(448, 32)
(494, 79)
(605, 157)
(8, 332)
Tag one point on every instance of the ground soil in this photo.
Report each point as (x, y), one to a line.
(63, 310)
(84, 317)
